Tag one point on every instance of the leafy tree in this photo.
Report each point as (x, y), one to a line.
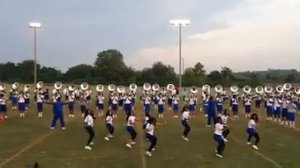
(194, 76)
(80, 73)
(109, 66)
(214, 78)
(290, 78)
(158, 73)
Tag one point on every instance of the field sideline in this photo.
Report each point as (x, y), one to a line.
(29, 140)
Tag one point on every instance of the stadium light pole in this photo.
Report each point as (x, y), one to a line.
(180, 23)
(34, 26)
(183, 68)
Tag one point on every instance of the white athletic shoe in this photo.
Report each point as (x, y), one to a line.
(185, 138)
(106, 138)
(225, 140)
(128, 145)
(110, 136)
(248, 143)
(218, 155)
(52, 128)
(5, 116)
(255, 147)
(88, 147)
(216, 150)
(148, 153)
(63, 128)
(132, 143)
(92, 143)
(153, 149)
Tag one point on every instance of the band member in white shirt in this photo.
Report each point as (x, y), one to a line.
(251, 130)
(131, 130)
(100, 104)
(218, 137)
(89, 124)
(109, 125)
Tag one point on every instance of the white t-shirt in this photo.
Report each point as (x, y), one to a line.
(2, 101)
(21, 99)
(147, 100)
(224, 119)
(100, 99)
(39, 98)
(114, 100)
(192, 101)
(150, 129)
(109, 119)
(160, 100)
(175, 100)
(185, 115)
(219, 129)
(89, 120)
(131, 121)
(247, 102)
(251, 124)
(127, 100)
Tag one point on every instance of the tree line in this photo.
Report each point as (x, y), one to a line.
(109, 67)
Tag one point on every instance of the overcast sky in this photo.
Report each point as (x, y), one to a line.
(241, 34)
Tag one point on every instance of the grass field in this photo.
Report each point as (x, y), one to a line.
(29, 140)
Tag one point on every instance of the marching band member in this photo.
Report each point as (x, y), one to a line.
(14, 99)
(114, 105)
(109, 125)
(150, 135)
(27, 99)
(205, 105)
(71, 103)
(39, 103)
(247, 106)
(121, 99)
(89, 124)
(100, 104)
(46, 94)
(147, 101)
(219, 101)
(291, 114)
(133, 97)
(88, 95)
(251, 130)
(21, 105)
(226, 131)
(192, 105)
(284, 112)
(155, 99)
(258, 102)
(235, 106)
(170, 100)
(128, 104)
(277, 108)
(161, 101)
(58, 113)
(269, 107)
(175, 105)
(130, 128)
(218, 137)
(3, 109)
(146, 119)
(83, 103)
(184, 121)
(211, 111)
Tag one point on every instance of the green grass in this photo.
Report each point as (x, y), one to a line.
(65, 148)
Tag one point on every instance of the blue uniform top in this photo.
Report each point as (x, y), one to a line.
(211, 106)
(58, 107)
